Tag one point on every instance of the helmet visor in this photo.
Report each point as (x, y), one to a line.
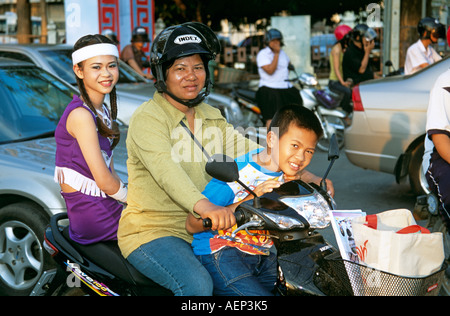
(370, 34)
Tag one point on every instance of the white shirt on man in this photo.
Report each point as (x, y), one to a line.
(438, 114)
(417, 55)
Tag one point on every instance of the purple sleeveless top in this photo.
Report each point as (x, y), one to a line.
(93, 215)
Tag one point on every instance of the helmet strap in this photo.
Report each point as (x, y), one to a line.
(160, 85)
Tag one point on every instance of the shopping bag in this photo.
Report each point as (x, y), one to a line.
(392, 242)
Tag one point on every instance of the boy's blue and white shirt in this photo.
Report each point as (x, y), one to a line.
(223, 194)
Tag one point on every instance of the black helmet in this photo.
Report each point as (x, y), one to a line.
(140, 35)
(273, 34)
(428, 26)
(180, 41)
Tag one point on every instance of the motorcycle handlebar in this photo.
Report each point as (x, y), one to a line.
(239, 215)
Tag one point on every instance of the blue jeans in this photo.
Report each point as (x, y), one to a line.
(236, 273)
(438, 178)
(170, 262)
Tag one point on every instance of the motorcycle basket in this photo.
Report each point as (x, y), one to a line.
(362, 280)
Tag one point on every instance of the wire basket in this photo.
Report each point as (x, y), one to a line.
(365, 281)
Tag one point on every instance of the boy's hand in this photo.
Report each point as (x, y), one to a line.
(266, 187)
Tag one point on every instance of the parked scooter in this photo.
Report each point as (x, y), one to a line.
(244, 113)
(290, 213)
(394, 72)
(324, 104)
(314, 98)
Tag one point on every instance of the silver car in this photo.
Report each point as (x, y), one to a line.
(389, 118)
(32, 102)
(132, 88)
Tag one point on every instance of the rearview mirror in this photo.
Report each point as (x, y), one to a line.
(223, 168)
(333, 150)
(333, 154)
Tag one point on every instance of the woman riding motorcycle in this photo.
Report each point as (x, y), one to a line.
(166, 169)
(165, 184)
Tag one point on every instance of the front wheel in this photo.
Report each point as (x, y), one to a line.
(22, 257)
(331, 125)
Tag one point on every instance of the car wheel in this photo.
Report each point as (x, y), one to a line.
(415, 170)
(22, 257)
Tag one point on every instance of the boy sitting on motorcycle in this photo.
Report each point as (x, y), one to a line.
(244, 264)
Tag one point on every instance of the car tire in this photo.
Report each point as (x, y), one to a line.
(22, 256)
(415, 169)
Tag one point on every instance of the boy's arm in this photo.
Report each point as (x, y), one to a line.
(195, 225)
(308, 177)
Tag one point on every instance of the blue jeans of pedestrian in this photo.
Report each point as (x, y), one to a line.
(170, 262)
(438, 178)
(236, 273)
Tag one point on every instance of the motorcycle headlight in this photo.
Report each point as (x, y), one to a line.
(314, 208)
(284, 222)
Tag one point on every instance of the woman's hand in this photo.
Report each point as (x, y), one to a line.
(222, 218)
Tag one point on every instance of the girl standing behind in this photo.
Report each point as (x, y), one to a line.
(336, 80)
(85, 137)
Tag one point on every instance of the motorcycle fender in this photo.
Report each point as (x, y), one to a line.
(402, 167)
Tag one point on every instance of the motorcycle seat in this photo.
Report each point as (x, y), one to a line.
(249, 95)
(108, 256)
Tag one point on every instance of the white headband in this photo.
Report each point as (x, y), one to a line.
(94, 50)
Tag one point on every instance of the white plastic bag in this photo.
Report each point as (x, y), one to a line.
(392, 242)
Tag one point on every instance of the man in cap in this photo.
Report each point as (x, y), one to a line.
(134, 55)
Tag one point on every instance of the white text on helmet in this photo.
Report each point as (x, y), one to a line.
(184, 39)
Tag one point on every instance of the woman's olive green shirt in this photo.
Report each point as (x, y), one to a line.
(166, 169)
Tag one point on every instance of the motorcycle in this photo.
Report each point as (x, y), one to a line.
(100, 268)
(324, 104)
(393, 72)
(314, 98)
(245, 114)
(291, 214)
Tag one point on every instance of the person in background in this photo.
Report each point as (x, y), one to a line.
(85, 137)
(336, 81)
(133, 53)
(274, 91)
(436, 159)
(421, 54)
(356, 62)
(111, 35)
